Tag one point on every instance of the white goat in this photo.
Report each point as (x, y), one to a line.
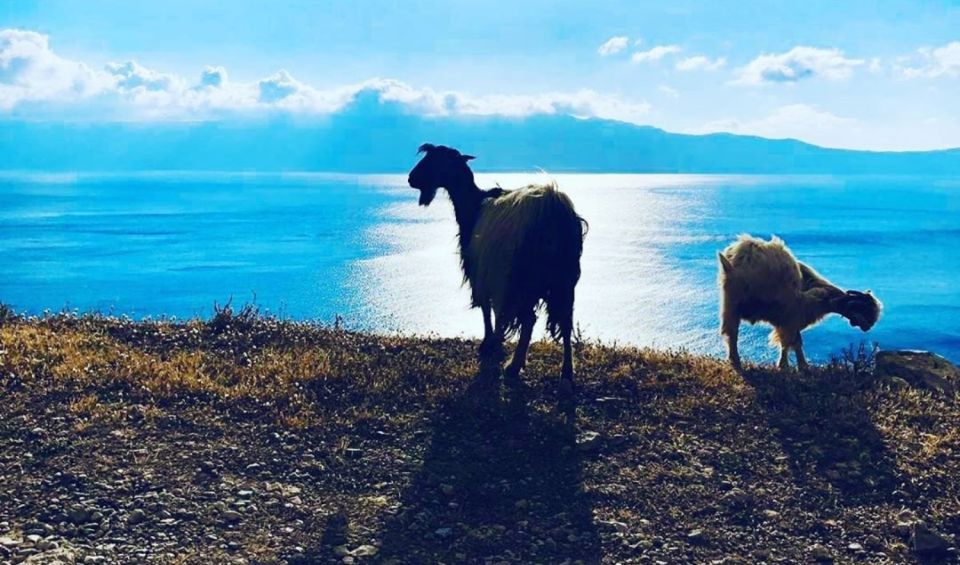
(761, 281)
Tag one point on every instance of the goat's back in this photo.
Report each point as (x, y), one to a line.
(764, 271)
(523, 242)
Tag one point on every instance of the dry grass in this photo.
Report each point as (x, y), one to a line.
(392, 440)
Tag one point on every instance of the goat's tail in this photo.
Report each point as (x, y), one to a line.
(568, 247)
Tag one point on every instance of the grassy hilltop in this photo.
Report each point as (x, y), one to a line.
(247, 439)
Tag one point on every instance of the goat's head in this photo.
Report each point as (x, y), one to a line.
(440, 166)
(861, 309)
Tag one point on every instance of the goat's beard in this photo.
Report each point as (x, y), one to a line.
(427, 195)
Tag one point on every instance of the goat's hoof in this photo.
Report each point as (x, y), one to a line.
(511, 373)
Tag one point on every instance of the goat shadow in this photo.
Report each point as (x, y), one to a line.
(827, 434)
(499, 481)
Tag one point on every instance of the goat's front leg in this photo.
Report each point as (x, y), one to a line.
(731, 329)
(801, 358)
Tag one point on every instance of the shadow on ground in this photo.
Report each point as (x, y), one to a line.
(500, 480)
(830, 440)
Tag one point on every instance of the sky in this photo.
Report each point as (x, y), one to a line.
(879, 75)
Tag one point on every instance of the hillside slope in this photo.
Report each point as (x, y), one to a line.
(245, 439)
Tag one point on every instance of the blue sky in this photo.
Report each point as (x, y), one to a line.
(874, 75)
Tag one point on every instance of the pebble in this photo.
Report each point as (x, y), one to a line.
(365, 551)
(589, 441)
(820, 553)
(232, 516)
(136, 517)
(444, 532)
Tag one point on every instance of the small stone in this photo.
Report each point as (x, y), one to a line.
(925, 541)
(771, 514)
(78, 515)
(873, 542)
(588, 441)
(33, 538)
(443, 532)
(855, 547)
(820, 553)
(136, 517)
(232, 516)
(6, 541)
(696, 536)
(365, 551)
(446, 489)
(246, 493)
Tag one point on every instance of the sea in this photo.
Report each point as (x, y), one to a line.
(358, 250)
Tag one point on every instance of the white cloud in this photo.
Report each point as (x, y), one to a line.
(934, 63)
(700, 63)
(671, 92)
(31, 71)
(132, 76)
(798, 121)
(614, 45)
(798, 64)
(655, 53)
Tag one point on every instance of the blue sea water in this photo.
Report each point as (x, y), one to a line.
(315, 246)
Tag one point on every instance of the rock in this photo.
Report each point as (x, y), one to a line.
(6, 541)
(136, 517)
(443, 532)
(246, 493)
(873, 542)
(446, 489)
(820, 553)
(855, 547)
(696, 536)
(231, 516)
(771, 514)
(78, 515)
(365, 551)
(615, 525)
(925, 541)
(921, 369)
(589, 441)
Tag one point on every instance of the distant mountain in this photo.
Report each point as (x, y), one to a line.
(371, 136)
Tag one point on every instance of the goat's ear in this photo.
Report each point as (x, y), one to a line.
(725, 263)
(467, 158)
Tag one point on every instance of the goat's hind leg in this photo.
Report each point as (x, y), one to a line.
(519, 359)
(788, 340)
(801, 358)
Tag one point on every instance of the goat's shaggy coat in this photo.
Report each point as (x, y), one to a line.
(518, 249)
(761, 281)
